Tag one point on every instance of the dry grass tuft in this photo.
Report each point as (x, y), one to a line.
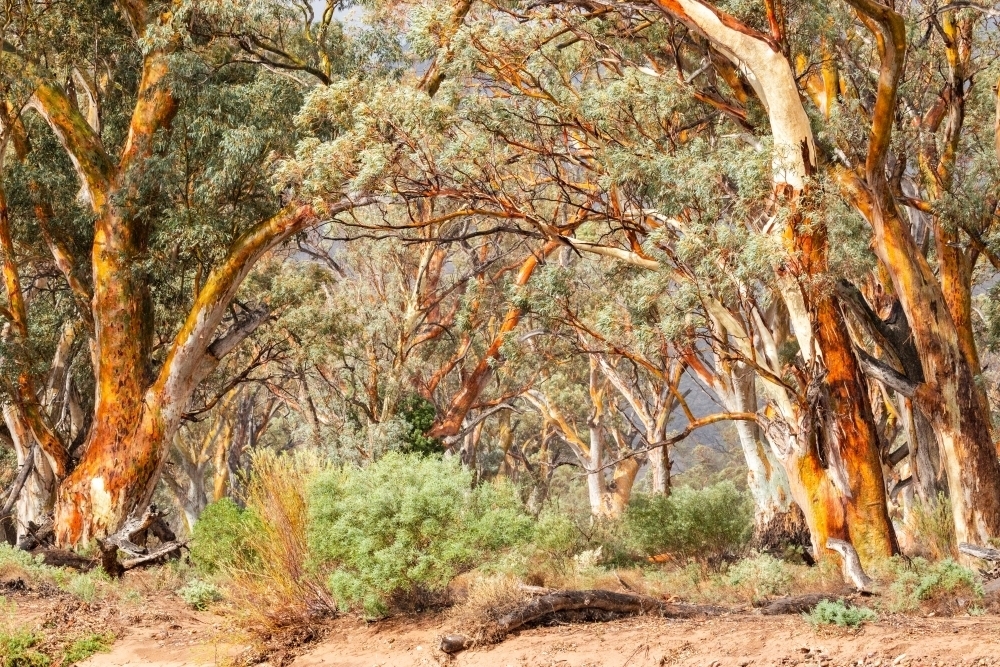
(934, 523)
(488, 600)
(274, 589)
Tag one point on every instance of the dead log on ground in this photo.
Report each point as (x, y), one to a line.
(853, 572)
(798, 604)
(116, 569)
(984, 553)
(64, 558)
(618, 604)
(160, 554)
(132, 536)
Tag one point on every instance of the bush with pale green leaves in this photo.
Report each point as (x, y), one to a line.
(407, 524)
(835, 612)
(703, 523)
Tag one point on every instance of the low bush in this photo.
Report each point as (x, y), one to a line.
(199, 594)
(944, 585)
(262, 549)
(835, 612)
(760, 577)
(935, 524)
(406, 525)
(84, 647)
(18, 649)
(691, 523)
(223, 537)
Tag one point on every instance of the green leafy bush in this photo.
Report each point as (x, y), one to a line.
(199, 594)
(917, 581)
(418, 414)
(223, 537)
(17, 649)
(835, 612)
(761, 576)
(407, 524)
(703, 523)
(84, 647)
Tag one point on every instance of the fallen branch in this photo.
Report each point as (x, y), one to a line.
(545, 606)
(131, 537)
(984, 553)
(154, 557)
(798, 604)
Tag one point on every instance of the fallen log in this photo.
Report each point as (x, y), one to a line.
(560, 602)
(598, 600)
(984, 553)
(131, 537)
(798, 604)
(158, 555)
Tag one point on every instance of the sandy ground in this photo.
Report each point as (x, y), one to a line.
(735, 641)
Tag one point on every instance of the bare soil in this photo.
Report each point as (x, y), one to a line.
(193, 639)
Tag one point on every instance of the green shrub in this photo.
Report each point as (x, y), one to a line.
(704, 523)
(418, 414)
(223, 537)
(406, 524)
(84, 647)
(917, 581)
(761, 576)
(835, 612)
(17, 650)
(199, 594)
(84, 586)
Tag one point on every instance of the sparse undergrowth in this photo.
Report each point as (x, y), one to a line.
(836, 612)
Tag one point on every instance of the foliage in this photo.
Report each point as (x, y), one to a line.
(918, 582)
(935, 524)
(407, 524)
(418, 413)
(84, 647)
(18, 649)
(198, 594)
(222, 537)
(271, 585)
(761, 576)
(836, 612)
(691, 523)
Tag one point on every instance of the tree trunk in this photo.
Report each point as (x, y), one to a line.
(852, 440)
(948, 394)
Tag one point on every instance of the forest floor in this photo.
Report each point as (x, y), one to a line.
(159, 630)
(174, 636)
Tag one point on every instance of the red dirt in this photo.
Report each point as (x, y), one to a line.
(731, 641)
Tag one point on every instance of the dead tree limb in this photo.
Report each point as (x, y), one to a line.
(552, 604)
(853, 572)
(984, 553)
(158, 555)
(798, 604)
(22, 477)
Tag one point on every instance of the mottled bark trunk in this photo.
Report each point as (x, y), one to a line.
(777, 519)
(618, 492)
(852, 440)
(38, 493)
